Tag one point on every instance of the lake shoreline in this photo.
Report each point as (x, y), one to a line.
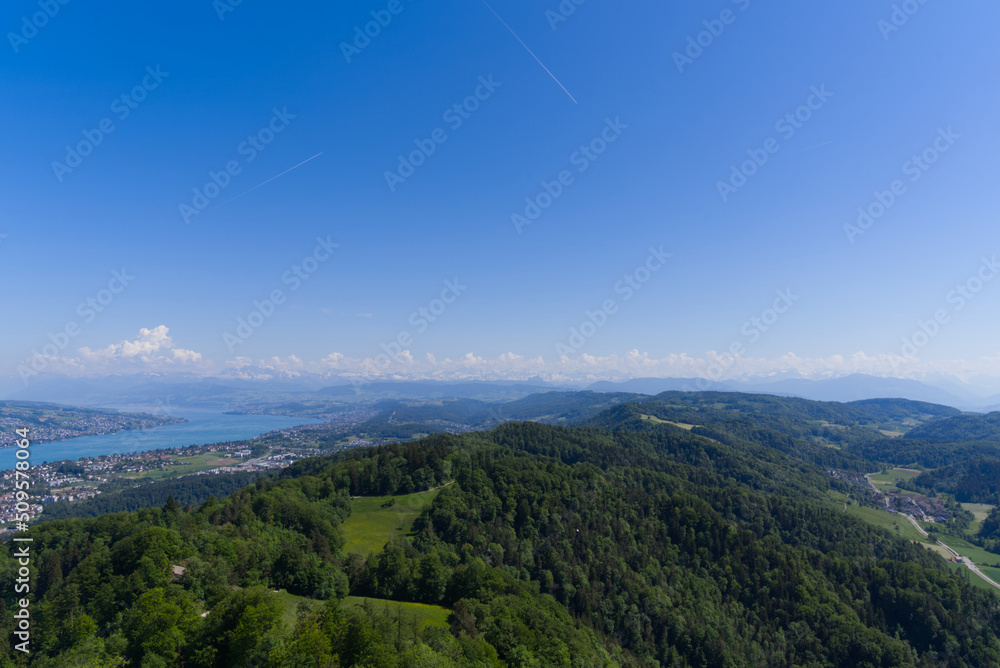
(199, 427)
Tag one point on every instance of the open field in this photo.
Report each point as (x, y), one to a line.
(889, 479)
(973, 579)
(432, 615)
(202, 462)
(682, 425)
(979, 510)
(901, 527)
(985, 560)
(897, 524)
(290, 605)
(992, 573)
(371, 525)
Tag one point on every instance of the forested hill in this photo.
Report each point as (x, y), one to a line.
(901, 414)
(902, 410)
(975, 480)
(969, 427)
(551, 546)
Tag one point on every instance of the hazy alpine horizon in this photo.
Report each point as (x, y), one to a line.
(734, 194)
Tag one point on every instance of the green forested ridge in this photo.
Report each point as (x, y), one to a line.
(923, 453)
(975, 480)
(625, 543)
(967, 427)
(901, 410)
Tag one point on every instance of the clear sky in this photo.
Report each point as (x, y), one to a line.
(115, 115)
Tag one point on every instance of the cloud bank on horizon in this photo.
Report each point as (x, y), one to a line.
(153, 350)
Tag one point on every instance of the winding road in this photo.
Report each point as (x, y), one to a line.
(963, 560)
(970, 564)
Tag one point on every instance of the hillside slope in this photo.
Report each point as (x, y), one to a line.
(644, 545)
(969, 427)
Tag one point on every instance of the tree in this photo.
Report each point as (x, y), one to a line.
(160, 624)
(432, 578)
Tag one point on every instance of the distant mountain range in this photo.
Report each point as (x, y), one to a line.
(231, 393)
(844, 389)
(240, 390)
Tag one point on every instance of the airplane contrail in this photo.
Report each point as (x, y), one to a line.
(812, 147)
(530, 51)
(272, 178)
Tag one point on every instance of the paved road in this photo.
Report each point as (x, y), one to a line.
(917, 526)
(970, 564)
(965, 560)
(878, 492)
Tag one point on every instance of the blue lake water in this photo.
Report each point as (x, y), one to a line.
(201, 428)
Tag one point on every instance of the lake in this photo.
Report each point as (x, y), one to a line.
(202, 428)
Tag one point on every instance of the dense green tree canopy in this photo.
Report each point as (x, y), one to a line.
(630, 542)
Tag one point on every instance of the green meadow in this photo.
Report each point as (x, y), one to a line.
(424, 614)
(373, 522)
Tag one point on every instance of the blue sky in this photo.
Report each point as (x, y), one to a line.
(889, 95)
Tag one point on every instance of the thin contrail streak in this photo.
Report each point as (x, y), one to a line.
(530, 51)
(272, 178)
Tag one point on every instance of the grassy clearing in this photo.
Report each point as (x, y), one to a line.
(898, 526)
(371, 525)
(894, 523)
(424, 614)
(682, 425)
(433, 615)
(973, 579)
(940, 550)
(901, 527)
(985, 560)
(889, 479)
(979, 510)
(290, 605)
(992, 573)
(183, 466)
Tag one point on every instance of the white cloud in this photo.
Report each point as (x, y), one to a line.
(152, 350)
(155, 350)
